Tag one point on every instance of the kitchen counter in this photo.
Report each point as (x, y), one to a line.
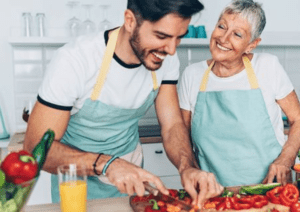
(98, 205)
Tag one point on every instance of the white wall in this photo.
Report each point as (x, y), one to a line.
(280, 17)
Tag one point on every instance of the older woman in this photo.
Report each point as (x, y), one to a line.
(232, 104)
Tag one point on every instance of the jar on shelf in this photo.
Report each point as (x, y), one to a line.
(40, 21)
(27, 24)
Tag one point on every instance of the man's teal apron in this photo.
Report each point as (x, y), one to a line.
(99, 127)
(232, 133)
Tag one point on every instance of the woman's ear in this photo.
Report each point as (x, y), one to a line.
(130, 21)
(253, 45)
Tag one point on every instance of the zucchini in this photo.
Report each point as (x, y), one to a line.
(258, 189)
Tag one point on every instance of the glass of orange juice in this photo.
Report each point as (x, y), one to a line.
(72, 187)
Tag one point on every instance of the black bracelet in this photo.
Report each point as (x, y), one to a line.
(95, 164)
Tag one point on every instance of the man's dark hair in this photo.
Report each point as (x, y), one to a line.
(154, 10)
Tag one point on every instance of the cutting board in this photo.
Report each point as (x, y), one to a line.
(140, 206)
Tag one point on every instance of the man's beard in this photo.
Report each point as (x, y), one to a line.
(135, 43)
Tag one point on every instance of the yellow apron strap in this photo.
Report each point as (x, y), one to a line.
(109, 52)
(205, 77)
(154, 80)
(250, 72)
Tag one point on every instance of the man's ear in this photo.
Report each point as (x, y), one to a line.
(130, 21)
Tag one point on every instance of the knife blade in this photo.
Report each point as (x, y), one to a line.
(169, 198)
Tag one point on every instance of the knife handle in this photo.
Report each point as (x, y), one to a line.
(151, 189)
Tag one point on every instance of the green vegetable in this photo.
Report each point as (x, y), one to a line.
(182, 193)
(227, 193)
(258, 189)
(10, 206)
(2, 178)
(41, 149)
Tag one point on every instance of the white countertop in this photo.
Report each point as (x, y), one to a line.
(98, 205)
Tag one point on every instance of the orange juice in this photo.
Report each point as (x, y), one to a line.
(73, 196)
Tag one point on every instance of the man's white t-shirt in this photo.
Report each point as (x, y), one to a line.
(74, 69)
(272, 79)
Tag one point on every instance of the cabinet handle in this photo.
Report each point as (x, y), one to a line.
(158, 151)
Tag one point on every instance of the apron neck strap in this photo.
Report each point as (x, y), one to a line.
(250, 73)
(109, 52)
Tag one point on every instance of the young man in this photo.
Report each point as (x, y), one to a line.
(98, 87)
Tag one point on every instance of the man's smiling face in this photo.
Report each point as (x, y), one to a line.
(152, 42)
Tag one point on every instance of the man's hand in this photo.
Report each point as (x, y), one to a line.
(128, 178)
(194, 180)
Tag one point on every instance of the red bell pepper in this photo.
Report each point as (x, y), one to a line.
(241, 203)
(295, 207)
(19, 167)
(260, 201)
(289, 195)
(273, 194)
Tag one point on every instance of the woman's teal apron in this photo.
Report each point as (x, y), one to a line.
(232, 133)
(99, 127)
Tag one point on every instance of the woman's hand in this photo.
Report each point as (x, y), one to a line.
(195, 180)
(128, 178)
(278, 170)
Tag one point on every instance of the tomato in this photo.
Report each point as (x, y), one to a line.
(295, 207)
(296, 167)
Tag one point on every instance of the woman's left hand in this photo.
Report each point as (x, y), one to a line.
(279, 171)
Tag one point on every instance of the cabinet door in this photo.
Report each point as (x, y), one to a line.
(41, 194)
(156, 160)
(172, 182)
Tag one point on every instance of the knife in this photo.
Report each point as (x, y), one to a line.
(169, 198)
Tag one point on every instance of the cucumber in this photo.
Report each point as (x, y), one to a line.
(40, 151)
(258, 189)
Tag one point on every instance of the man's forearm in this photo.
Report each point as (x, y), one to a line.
(178, 147)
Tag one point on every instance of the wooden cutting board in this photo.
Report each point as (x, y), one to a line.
(140, 206)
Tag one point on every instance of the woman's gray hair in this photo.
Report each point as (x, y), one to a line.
(251, 11)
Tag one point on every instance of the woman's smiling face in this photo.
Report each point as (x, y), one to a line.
(231, 38)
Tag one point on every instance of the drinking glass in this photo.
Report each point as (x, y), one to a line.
(72, 187)
(73, 24)
(87, 26)
(104, 24)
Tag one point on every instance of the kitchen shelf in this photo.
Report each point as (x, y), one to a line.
(38, 41)
(268, 39)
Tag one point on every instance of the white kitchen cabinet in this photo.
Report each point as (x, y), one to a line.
(41, 193)
(157, 162)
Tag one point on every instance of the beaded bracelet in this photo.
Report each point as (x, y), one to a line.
(108, 163)
(95, 164)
